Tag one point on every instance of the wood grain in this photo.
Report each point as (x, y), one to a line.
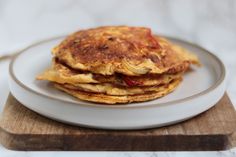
(23, 129)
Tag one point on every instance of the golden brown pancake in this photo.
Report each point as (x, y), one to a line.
(131, 51)
(61, 73)
(109, 99)
(110, 89)
(117, 64)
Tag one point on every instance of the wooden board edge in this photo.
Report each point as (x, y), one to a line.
(232, 140)
(24, 142)
(27, 142)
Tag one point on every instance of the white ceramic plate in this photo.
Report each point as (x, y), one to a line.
(200, 90)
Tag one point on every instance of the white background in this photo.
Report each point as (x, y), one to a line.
(209, 23)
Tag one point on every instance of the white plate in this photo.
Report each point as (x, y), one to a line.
(200, 90)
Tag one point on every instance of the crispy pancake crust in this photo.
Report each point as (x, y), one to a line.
(108, 99)
(120, 49)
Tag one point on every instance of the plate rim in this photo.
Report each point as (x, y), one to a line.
(218, 82)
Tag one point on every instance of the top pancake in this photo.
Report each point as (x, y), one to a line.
(131, 51)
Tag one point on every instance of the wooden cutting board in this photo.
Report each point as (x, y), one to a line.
(23, 129)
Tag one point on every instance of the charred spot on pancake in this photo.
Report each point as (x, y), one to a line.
(111, 38)
(103, 47)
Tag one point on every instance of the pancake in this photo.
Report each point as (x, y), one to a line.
(138, 81)
(109, 99)
(110, 89)
(61, 73)
(132, 51)
(117, 64)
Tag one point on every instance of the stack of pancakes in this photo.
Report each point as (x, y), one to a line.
(117, 64)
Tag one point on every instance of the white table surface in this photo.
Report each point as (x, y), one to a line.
(211, 24)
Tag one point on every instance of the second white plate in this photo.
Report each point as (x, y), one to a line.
(201, 89)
